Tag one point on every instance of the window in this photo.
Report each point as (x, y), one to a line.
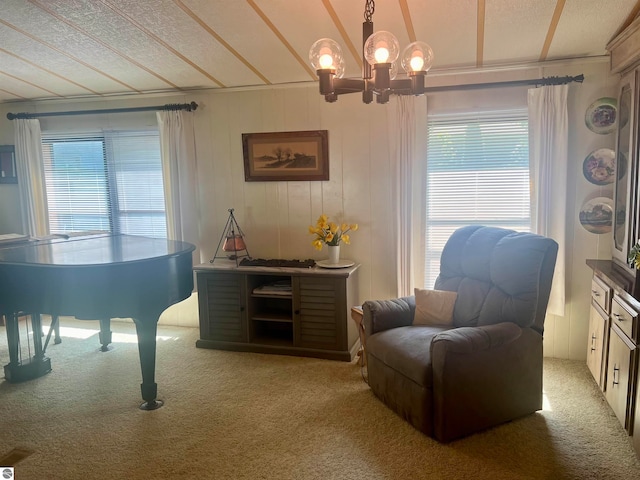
(477, 173)
(108, 181)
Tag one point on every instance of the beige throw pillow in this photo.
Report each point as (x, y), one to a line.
(434, 307)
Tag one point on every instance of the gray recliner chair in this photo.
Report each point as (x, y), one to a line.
(485, 368)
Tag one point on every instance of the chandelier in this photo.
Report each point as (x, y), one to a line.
(380, 52)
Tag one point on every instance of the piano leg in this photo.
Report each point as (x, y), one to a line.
(57, 339)
(105, 333)
(147, 329)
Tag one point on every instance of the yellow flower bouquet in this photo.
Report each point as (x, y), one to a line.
(330, 233)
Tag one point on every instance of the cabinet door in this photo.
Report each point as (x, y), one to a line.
(621, 353)
(222, 312)
(595, 345)
(320, 313)
(625, 185)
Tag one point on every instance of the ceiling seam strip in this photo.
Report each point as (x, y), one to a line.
(31, 83)
(14, 94)
(277, 33)
(552, 30)
(407, 20)
(343, 33)
(213, 33)
(480, 33)
(68, 55)
(104, 44)
(50, 72)
(157, 39)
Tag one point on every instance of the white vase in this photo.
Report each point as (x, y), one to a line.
(334, 254)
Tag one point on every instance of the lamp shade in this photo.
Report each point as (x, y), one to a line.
(381, 47)
(326, 54)
(234, 243)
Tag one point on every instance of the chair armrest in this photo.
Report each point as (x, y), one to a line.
(382, 315)
(484, 376)
(467, 340)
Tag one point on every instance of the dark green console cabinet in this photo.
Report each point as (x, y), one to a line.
(287, 311)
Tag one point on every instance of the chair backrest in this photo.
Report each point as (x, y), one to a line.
(500, 275)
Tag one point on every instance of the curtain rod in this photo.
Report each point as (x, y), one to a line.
(193, 105)
(189, 107)
(538, 82)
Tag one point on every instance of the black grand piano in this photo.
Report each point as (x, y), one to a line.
(97, 277)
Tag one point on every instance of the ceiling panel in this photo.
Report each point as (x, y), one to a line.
(449, 27)
(79, 48)
(528, 29)
(586, 26)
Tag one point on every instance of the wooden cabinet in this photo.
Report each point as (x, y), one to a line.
(291, 311)
(614, 329)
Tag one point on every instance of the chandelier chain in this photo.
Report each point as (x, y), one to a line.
(369, 8)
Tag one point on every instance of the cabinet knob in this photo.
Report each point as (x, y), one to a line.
(615, 370)
(595, 293)
(618, 317)
(297, 312)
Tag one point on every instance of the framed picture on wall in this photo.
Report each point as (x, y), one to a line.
(286, 156)
(8, 164)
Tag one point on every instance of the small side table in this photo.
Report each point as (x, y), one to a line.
(357, 316)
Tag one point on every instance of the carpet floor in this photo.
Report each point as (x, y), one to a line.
(233, 415)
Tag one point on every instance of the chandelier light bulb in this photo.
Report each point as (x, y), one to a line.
(325, 54)
(381, 47)
(417, 57)
(326, 60)
(381, 55)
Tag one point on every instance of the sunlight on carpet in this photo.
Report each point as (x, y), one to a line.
(546, 405)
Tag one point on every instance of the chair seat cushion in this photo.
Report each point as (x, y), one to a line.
(407, 350)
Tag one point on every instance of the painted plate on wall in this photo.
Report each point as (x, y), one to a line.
(599, 167)
(596, 215)
(601, 115)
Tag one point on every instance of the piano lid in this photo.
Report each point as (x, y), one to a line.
(91, 250)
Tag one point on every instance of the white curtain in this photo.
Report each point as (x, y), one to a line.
(548, 151)
(31, 184)
(403, 125)
(179, 169)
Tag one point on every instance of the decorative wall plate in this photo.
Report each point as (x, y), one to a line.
(599, 167)
(601, 115)
(596, 215)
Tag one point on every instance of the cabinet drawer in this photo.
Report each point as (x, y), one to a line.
(624, 316)
(601, 294)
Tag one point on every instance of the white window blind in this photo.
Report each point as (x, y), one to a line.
(477, 174)
(105, 181)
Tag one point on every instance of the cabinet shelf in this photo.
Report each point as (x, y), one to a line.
(271, 317)
(288, 296)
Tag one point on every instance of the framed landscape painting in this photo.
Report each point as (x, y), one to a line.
(286, 156)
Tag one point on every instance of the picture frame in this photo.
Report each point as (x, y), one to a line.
(8, 172)
(286, 156)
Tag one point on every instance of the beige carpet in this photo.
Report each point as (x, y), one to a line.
(231, 415)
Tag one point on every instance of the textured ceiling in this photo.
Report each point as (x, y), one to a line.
(79, 48)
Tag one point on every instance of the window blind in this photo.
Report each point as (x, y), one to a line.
(105, 181)
(477, 174)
